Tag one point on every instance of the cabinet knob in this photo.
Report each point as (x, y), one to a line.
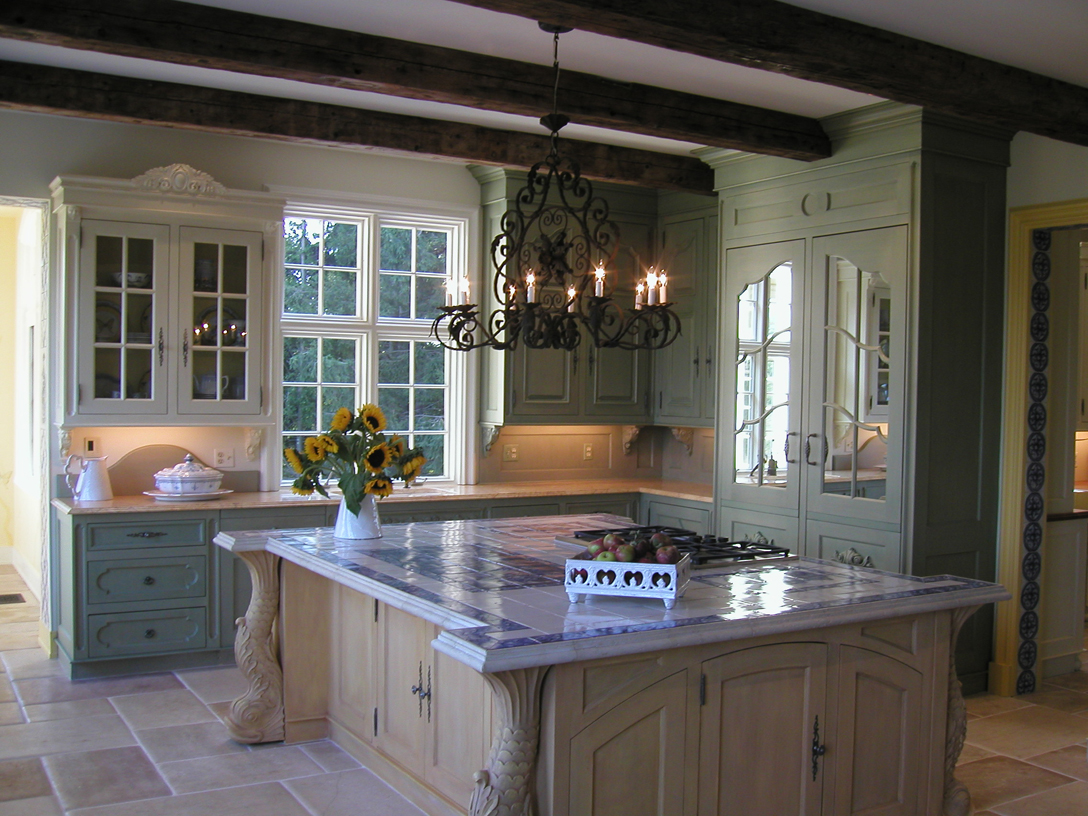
(148, 580)
(149, 633)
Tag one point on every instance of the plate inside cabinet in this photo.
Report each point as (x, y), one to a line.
(107, 322)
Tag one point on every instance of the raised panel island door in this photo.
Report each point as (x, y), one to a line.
(459, 736)
(630, 761)
(544, 382)
(403, 644)
(756, 732)
(878, 759)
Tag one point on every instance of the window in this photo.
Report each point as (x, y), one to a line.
(359, 296)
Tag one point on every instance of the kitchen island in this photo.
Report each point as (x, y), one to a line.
(794, 686)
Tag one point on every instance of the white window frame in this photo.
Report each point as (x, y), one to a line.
(462, 256)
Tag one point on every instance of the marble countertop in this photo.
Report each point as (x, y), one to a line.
(693, 491)
(495, 587)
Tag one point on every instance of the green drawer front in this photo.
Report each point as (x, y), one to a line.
(132, 633)
(146, 533)
(146, 579)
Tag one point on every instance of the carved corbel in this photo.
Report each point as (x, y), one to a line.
(686, 437)
(853, 558)
(254, 441)
(506, 787)
(630, 437)
(258, 715)
(489, 435)
(181, 179)
(64, 442)
(957, 799)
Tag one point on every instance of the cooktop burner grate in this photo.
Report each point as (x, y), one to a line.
(705, 550)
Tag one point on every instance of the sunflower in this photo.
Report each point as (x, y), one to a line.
(302, 487)
(380, 486)
(412, 468)
(373, 418)
(328, 444)
(340, 420)
(315, 451)
(396, 445)
(379, 458)
(293, 459)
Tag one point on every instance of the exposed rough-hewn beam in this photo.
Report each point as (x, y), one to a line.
(189, 34)
(120, 99)
(774, 36)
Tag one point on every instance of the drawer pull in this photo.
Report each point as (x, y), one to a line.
(149, 633)
(146, 534)
(148, 581)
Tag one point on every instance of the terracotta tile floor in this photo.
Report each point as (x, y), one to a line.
(153, 745)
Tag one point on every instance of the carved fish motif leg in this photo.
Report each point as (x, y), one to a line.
(257, 716)
(957, 799)
(505, 788)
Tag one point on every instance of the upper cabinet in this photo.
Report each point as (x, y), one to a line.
(165, 311)
(684, 372)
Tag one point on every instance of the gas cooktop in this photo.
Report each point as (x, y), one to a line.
(704, 550)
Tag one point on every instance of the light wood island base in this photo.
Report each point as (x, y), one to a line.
(863, 717)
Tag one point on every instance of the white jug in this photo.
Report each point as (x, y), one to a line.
(93, 483)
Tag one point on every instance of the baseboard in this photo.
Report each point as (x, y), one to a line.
(30, 573)
(308, 730)
(1057, 666)
(396, 777)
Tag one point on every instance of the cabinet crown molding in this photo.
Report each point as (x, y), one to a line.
(181, 179)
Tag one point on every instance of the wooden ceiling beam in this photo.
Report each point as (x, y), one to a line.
(206, 37)
(42, 89)
(775, 36)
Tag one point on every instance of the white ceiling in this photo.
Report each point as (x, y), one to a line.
(1046, 36)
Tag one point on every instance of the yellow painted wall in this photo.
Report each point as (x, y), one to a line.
(9, 232)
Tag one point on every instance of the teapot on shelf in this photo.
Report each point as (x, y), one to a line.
(93, 482)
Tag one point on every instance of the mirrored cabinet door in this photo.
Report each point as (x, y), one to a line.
(854, 433)
(122, 333)
(220, 321)
(763, 307)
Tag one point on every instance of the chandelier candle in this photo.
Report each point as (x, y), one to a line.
(598, 285)
(651, 286)
(662, 282)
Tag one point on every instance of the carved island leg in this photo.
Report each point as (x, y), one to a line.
(257, 716)
(957, 799)
(505, 787)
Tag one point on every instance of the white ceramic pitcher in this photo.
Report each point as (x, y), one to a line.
(93, 482)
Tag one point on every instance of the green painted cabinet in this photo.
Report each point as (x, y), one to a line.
(684, 372)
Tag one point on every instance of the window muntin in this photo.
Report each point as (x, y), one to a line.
(323, 262)
(413, 267)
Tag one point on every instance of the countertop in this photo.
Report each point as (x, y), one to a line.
(495, 587)
(693, 491)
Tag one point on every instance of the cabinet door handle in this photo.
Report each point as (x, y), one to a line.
(185, 348)
(808, 450)
(696, 361)
(146, 534)
(575, 364)
(428, 694)
(150, 633)
(417, 690)
(818, 750)
(148, 580)
(162, 347)
(787, 450)
(592, 360)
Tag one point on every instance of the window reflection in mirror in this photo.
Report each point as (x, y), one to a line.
(857, 342)
(764, 312)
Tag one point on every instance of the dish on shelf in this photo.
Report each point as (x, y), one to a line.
(137, 280)
(107, 322)
(106, 386)
(207, 327)
(158, 495)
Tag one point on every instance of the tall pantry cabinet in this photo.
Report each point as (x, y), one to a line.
(860, 316)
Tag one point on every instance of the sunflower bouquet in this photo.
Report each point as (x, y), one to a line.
(356, 453)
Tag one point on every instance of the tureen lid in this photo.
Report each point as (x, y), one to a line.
(189, 469)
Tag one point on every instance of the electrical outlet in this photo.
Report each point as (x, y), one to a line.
(224, 458)
(587, 451)
(92, 446)
(509, 453)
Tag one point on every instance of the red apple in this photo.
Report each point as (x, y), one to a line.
(660, 540)
(668, 554)
(643, 546)
(595, 548)
(625, 552)
(613, 540)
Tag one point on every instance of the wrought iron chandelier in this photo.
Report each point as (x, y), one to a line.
(551, 263)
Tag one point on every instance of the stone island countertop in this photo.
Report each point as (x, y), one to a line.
(692, 491)
(495, 587)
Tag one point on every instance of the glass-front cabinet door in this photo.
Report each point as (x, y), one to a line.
(763, 304)
(854, 432)
(219, 297)
(123, 322)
